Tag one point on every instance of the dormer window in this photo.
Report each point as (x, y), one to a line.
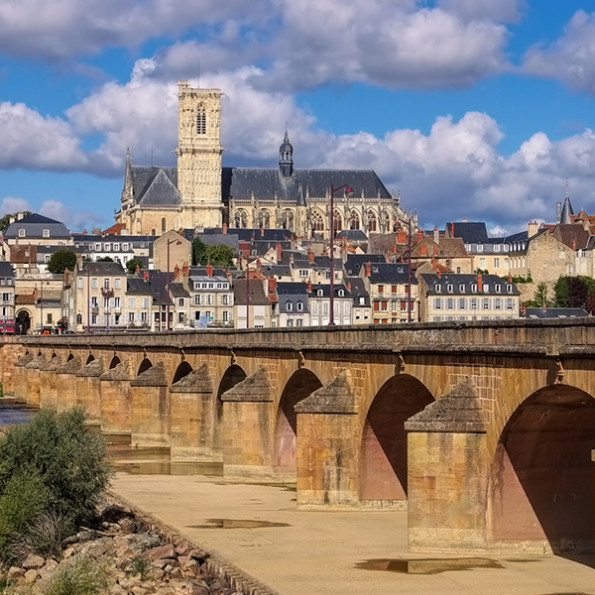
(479, 248)
(497, 248)
(289, 306)
(319, 292)
(45, 233)
(340, 293)
(462, 287)
(300, 306)
(201, 120)
(498, 288)
(449, 288)
(474, 287)
(437, 288)
(509, 288)
(22, 233)
(486, 288)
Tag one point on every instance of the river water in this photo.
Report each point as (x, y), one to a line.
(12, 413)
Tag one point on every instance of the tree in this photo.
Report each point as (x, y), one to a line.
(132, 264)
(575, 292)
(215, 254)
(105, 259)
(5, 221)
(60, 260)
(540, 297)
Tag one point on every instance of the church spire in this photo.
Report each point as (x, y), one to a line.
(286, 157)
(567, 212)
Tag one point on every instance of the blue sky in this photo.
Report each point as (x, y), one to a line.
(476, 109)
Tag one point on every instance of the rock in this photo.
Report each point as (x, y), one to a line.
(33, 561)
(182, 547)
(31, 575)
(162, 551)
(14, 573)
(127, 525)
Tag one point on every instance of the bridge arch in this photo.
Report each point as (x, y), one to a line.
(300, 385)
(541, 489)
(144, 366)
(232, 376)
(181, 371)
(114, 362)
(89, 359)
(383, 454)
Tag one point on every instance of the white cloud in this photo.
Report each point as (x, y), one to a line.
(382, 42)
(12, 204)
(31, 141)
(571, 58)
(500, 11)
(62, 28)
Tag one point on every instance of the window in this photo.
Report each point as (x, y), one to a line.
(496, 263)
(116, 247)
(462, 287)
(225, 299)
(197, 299)
(79, 319)
(461, 303)
(106, 283)
(438, 303)
(125, 247)
(437, 288)
(131, 303)
(384, 305)
(22, 233)
(498, 288)
(116, 302)
(482, 263)
(486, 303)
(474, 287)
(201, 119)
(46, 258)
(319, 292)
(450, 303)
(143, 317)
(393, 288)
(473, 303)
(225, 315)
(98, 247)
(299, 306)
(509, 303)
(145, 303)
(210, 299)
(497, 248)
(381, 289)
(341, 293)
(45, 233)
(94, 283)
(509, 289)
(79, 283)
(290, 322)
(289, 306)
(298, 322)
(449, 288)
(117, 283)
(107, 247)
(479, 248)
(498, 303)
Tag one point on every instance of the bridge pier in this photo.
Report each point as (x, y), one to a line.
(248, 421)
(327, 454)
(66, 384)
(115, 399)
(149, 398)
(88, 389)
(20, 377)
(48, 392)
(32, 379)
(193, 418)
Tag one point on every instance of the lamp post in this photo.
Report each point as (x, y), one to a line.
(41, 304)
(408, 268)
(169, 243)
(333, 189)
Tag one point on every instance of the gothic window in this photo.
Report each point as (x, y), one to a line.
(317, 221)
(354, 220)
(337, 222)
(287, 220)
(372, 222)
(163, 225)
(385, 223)
(201, 120)
(241, 219)
(264, 218)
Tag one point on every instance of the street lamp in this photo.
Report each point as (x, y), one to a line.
(169, 243)
(408, 268)
(333, 189)
(41, 304)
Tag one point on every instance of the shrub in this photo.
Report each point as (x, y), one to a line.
(24, 498)
(141, 566)
(82, 576)
(69, 459)
(44, 536)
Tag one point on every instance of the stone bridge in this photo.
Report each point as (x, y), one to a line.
(484, 433)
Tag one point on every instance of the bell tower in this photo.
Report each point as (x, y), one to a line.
(199, 155)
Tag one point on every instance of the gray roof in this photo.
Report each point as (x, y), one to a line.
(462, 284)
(103, 268)
(155, 186)
(471, 232)
(389, 272)
(137, 286)
(554, 313)
(6, 270)
(34, 225)
(355, 262)
(269, 183)
(178, 290)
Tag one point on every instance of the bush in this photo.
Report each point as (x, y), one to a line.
(70, 460)
(23, 500)
(83, 576)
(60, 260)
(44, 536)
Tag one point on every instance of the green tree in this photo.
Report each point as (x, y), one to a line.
(540, 297)
(132, 264)
(60, 260)
(105, 259)
(216, 254)
(5, 221)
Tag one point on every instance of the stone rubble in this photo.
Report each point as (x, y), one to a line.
(140, 558)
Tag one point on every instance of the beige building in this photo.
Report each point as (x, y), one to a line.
(199, 192)
(452, 297)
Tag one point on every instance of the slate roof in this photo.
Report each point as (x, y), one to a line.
(137, 286)
(6, 270)
(554, 313)
(105, 269)
(155, 186)
(258, 296)
(462, 284)
(353, 235)
(355, 262)
(292, 293)
(34, 225)
(471, 232)
(390, 273)
(358, 290)
(269, 183)
(326, 290)
(178, 290)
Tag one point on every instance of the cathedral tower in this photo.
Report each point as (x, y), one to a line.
(199, 155)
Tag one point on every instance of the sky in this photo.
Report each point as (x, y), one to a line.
(470, 109)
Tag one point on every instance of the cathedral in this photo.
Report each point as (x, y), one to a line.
(200, 193)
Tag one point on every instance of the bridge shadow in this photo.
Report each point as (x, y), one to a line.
(383, 461)
(543, 478)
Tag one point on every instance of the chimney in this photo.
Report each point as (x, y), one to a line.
(309, 286)
(368, 269)
(532, 228)
(176, 272)
(420, 234)
(401, 237)
(209, 269)
(20, 215)
(11, 219)
(479, 282)
(349, 286)
(279, 249)
(262, 231)
(436, 235)
(439, 273)
(435, 251)
(272, 285)
(145, 276)
(224, 228)
(510, 278)
(452, 230)
(311, 256)
(185, 270)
